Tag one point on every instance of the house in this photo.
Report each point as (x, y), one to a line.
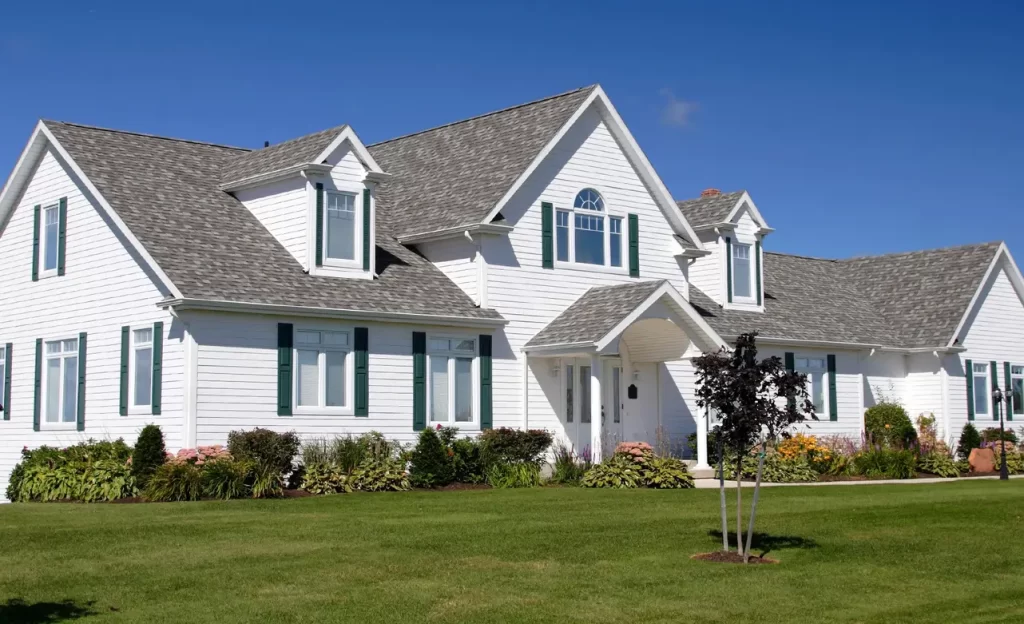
(523, 268)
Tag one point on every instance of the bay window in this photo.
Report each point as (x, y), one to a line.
(60, 381)
(322, 370)
(450, 385)
(587, 234)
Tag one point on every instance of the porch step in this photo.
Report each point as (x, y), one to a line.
(706, 473)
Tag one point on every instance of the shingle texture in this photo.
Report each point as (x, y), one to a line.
(707, 210)
(594, 314)
(211, 246)
(293, 152)
(900, 300)
(456, 174)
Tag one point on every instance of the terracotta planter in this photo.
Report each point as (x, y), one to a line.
(982, 460)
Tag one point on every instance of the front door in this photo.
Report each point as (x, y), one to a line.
(576, 407)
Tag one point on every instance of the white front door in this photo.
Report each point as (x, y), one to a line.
(576, 403)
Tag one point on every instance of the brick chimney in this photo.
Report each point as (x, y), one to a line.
(711, 192)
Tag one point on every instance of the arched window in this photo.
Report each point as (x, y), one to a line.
(589, 199)
(586, 235)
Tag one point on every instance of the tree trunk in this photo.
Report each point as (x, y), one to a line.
(739, 503)
(753, 505)
(721, 490)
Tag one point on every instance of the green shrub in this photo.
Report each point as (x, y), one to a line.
(992, 434)
(264, 481)
(432, 464)
(618, 472)
(938, 464)
(888, 424)
(466, 459)
(325, 479)
(666, 473)
(89, 471)
(380, 474)
(513, 475)
(777, 469)
(1014, 462)
(567, 468)
(265, 447)
(883, 463)
(176, 482)
(513, 446)
(149, 454)
(225, 479)
(970, 439)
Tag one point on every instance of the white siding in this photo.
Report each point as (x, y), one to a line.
(104, 288)
(455, 258)
(707, 272)
(282, 208)
(849, 391)
(924, 387)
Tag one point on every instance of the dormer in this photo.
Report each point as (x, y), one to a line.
(732, 231)
(317, 196)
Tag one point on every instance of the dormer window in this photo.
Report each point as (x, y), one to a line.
(340, 226)
(587, 234)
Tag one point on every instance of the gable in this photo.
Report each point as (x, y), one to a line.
(994, 328)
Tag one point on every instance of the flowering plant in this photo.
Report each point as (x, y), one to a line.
(199, 456)
(801, 445)
(637, 452)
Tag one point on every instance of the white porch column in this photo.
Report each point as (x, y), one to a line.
(596, 429)
(702, 443)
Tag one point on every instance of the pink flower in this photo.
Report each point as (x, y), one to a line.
(438, 426)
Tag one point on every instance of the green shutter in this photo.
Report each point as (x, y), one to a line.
(81, 380)
(634, 246)
(319, 224)
(158, 366)
(362, 354)
(38, 386)
(419, 381)
(38, 211)
(7, 381)
(547, 236)
(994, 367)
(367, 247)
(62, 230)
(790, 366)
(833, 404)
(1008, 383)
(728, 267)
(486, 383)
(125, 337)
(757, 270)
(284, 369)
(970, 390)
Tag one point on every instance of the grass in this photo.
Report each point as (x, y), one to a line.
(906, 553)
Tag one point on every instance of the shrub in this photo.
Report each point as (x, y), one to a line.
(325, 479)
(992, 434)
(149, 454)
(181, 481)
(264, 481)
(617, 472)
(432, 464)
(513, 446)
(225, 479)
(883, 463)
(266, 447)
(380, 474)
(634, 465)
(90, 471)
(888, 424)
(938, 464)
(468, 467)
(513, 475)
(200, 455)
(1014, 461)
(969, 440)
(777, 468)
(567, 468)
(666, 473)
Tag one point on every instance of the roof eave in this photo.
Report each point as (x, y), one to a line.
(471, 229)
(275, 176)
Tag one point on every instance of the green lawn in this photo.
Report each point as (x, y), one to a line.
(906, 553)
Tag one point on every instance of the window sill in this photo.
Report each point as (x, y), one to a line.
(140, 410)
(61, 426)
(463, 427)
(591, 268)
(323, 411)
(46, 274)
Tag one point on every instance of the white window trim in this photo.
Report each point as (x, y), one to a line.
(607, 215)
(322, 410)
(133, 409)
(473, 425)
(43, 271)
(357, 230)
(752, 247)
(988, 388)
(1014, 376)
(60, 425)
(3, 380)
(807, 370)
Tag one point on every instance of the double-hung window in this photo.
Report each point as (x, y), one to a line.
(587, 234)
(450, 387)
(3, 378)
(815, 369)
(981, 389)
(141, 377)
(60, 381)
(340, 226)
(51, 237)
(1017, 388)
(322, 365)
(741, 271)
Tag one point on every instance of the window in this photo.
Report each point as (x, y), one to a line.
(584, 394)
(616, 395)
(3, 377)
(815, 368)
(586, 234)
(142, 367)
(321, 371)
(569, 372)
(450, 387)
(741, 270)
(1016, 386)
(981, 389)
(61, 381)
(51, 236)
(340, 228)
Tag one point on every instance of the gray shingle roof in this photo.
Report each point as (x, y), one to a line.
(594, 314)
(900, 300)
(276, 157)
(454, 175)
(211, 246)
(707, 210)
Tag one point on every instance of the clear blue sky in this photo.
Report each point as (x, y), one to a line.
(868, 127)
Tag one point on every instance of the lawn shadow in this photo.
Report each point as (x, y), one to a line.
(766, 542)
(17, 610)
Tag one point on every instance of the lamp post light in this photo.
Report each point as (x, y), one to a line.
(997, 398)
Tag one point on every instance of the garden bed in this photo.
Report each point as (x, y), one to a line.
(731, 557)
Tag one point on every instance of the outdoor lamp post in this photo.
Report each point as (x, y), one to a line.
(997, 398)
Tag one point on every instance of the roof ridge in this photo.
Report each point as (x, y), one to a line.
(144, 134)
(919, 251)
(481, 116)
(723, 194)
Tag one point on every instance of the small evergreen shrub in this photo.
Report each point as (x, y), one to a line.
(970, 439)
(176, 482)
(266, 447)
(506, 445)
(149, 454)
(992, 434)
(513, 475)
(889, 425)
(432, 464)
(466, 458)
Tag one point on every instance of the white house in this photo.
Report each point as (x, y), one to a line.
(524, 268)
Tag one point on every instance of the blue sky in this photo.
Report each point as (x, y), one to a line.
(858, 128)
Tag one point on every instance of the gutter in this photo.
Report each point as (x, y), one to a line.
(858, 346)
(212, 305)
(453, 232)
(559, 347)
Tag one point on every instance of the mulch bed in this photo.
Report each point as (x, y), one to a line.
(731, 557)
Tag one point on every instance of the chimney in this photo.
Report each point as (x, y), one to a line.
(266, 144)
(711, 192)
